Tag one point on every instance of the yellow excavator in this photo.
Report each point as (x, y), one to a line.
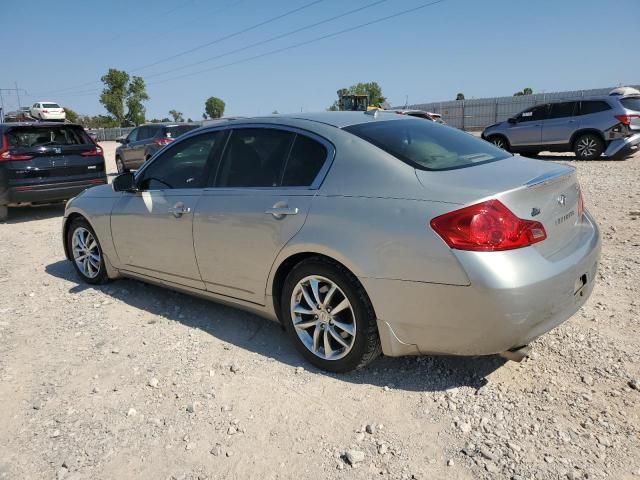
(355, 103)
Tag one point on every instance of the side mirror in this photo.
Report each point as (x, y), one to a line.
(512, 120)
(125, 182)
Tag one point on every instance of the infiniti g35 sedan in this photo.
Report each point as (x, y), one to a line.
(360, 233)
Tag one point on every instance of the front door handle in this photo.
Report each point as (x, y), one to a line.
(179, 209)
(281, 212)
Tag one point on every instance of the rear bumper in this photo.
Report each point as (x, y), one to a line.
(622, 147)
(47, 192)
(514, 297)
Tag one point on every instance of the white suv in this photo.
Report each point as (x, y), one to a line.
(48, 111)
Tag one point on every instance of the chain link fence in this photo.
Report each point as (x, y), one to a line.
(479, 113)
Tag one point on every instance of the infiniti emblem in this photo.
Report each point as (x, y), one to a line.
(562, 200)
(57, 150)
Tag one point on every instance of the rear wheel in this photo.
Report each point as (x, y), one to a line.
(4, 213)
(588, 147)
(500, 142)
(119, 164)
(329, 317)
(86, 252)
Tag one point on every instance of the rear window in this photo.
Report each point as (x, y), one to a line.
(631, 103)
(177, 130)
(428, 145)
(39, 136)
(50, 105)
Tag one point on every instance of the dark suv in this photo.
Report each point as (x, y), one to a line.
(46, 162)
(144, 141)
(589, 127)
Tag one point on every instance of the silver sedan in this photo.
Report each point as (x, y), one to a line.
(360, 233)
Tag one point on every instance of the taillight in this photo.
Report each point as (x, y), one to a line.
(45, 111)
(7, 156)
(487, 227)
(93, 153)
(163, 141)
(580, 203)
(626, 119)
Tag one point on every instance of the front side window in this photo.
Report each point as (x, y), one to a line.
(254, 157)
(562, 110)
(184, 165)
(428, 145)
(133, 135)
(538, 112)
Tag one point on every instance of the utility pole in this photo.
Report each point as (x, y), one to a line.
(18, 95)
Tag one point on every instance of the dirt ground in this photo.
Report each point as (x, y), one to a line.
(128, 380)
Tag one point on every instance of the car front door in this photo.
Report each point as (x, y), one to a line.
(127, 145)
(560, 124)
(136, 154)
(527, 130)
(152, 228)
(258, 201)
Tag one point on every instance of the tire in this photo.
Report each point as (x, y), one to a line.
(4, 213)
(119, 164)
(351, 333)
(93, 269)
(500, 142)
(588, 146)
(532, 154)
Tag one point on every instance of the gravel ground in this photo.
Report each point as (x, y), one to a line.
(128, 380)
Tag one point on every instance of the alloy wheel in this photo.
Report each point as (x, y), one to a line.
(499, 142)
(587, 147)
(323, 317)
(86, 252)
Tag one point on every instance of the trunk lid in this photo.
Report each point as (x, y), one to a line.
(532, 189)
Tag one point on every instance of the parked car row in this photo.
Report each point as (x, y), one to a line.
(608, 125)
(361, 233)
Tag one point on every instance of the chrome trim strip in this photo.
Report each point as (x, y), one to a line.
(549, 177)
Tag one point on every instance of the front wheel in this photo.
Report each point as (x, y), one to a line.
(119, 164)
(500, 142)
(86, 252)
(588, 147)
(329, 317)
(4, 213)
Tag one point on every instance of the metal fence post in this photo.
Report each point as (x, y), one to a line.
(462, 127)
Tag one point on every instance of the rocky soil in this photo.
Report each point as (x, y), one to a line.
(128, 380)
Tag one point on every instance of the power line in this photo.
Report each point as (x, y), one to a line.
(263, 42)
(204, 45)
(307, 42)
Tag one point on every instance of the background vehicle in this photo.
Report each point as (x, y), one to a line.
(354, 103)
(144, 141)
(434, 117)
(48, 111)
(46, 162)
(359, 232)
(588, 127)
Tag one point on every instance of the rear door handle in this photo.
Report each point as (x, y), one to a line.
(179, 209)
(281, 212)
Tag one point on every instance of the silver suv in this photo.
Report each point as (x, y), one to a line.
(587, 127)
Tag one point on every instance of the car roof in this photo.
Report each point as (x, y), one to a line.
(335, 119)
(38, 124)
(169, 124)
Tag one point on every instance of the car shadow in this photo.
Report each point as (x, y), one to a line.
(36, 212)
(253, 333)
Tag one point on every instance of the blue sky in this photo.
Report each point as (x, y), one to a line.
(481, 48)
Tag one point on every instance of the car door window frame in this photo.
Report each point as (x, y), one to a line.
(317, 182)
(213, 154)
(551, 112)
(523, 119)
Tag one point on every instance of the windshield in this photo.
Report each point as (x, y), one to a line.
(177, 130)
(428, 145)
(40, 136)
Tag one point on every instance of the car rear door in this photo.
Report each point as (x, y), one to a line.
(259, 200)
(527, 130)
(52, 154)
(560, 124)
(152, 228)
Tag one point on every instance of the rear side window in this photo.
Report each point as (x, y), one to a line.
(562, 110)
(146, 132)
(593, 106)
(428, 145)
(254, 157)
(631, 103)
(39, 136)
(176, 130)
(305, 161)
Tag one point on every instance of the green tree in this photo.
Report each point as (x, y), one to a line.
(214, 107)
(524, 91)
(189, 120)
(275, 112)
(371, 89)
(136, 95)
(114, 93)
(71, 115)
(176, 115)
(460, 96)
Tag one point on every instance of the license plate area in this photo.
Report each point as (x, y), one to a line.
(578, 287)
